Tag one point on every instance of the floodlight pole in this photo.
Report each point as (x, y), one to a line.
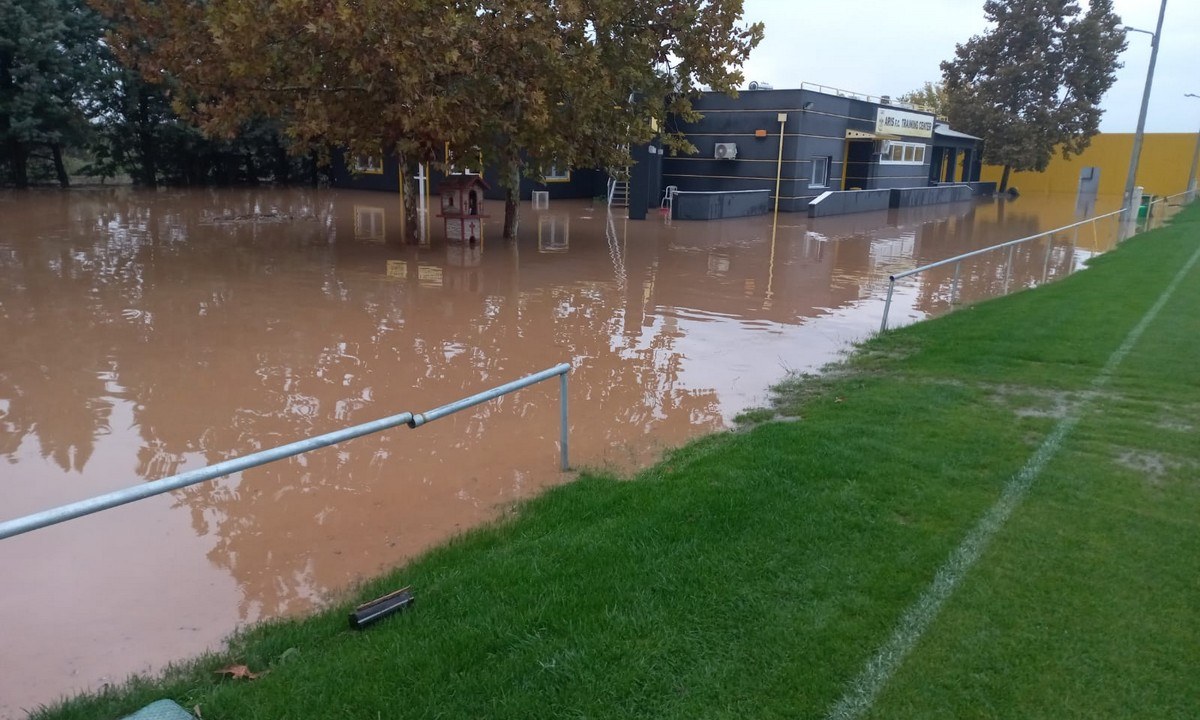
(1191, 186)
(1131, 179)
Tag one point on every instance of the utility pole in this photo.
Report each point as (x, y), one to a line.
(1131, 180)
(1191, 186)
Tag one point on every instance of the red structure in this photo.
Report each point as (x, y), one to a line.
(462, 207)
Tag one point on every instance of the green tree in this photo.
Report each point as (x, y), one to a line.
(932, 96)
(129, 137)
(50, 68)
(138, 132)
(531, 83)
(1032, 84)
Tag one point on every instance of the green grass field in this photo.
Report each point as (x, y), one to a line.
(755, 574)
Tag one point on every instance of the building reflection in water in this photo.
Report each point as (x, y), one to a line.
(149, 333)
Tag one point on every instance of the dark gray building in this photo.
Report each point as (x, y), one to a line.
(831, 142)
(957, 157)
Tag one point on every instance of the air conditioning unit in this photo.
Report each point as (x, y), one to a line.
(756, 85)
(885, 147)
(725, 151)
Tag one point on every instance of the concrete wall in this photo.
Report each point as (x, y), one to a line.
(1163, 168)
(917, 197)
(982, 188)
(849, 201)
(718, 205)
(858, 201)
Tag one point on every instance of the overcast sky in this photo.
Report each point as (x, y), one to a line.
(884, 47)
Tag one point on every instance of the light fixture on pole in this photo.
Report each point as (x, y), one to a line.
(1191, 186)
(1131, 179)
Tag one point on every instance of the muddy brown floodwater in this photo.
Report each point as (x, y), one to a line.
(147, 333)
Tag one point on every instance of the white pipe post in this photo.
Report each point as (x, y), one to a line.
(563, 437)
(423, 199)
(887, 304)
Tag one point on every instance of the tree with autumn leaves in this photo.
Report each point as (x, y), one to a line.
(531, 83)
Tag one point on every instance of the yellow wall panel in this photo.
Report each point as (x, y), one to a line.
(1163, 168)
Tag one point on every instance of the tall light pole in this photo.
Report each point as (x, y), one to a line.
(1191, 186)
(1131, 180)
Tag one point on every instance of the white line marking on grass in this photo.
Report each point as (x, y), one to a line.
(861, 694)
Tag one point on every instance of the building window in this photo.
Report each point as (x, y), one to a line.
(368, 164)
(554, 175)
(903, 153)
(820, 172)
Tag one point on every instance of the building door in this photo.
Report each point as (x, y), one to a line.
(858, 168)
(937, 158)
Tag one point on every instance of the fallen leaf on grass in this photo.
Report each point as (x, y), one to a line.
(240, 671)
(197, 713)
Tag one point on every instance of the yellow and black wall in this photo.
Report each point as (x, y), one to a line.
(1163, 168)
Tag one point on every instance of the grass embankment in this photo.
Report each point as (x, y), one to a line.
(753, 574)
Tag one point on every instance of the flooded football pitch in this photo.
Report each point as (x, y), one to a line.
(147, 333)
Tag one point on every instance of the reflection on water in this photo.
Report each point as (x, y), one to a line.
(147, 333)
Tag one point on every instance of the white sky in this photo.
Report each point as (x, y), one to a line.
(884, 47)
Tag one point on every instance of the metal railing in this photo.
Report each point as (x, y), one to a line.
(1165, 203)
(63, 513)
(887, 305)
(957, 259)
(877, 99)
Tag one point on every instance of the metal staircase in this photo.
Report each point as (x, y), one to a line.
(618, 188)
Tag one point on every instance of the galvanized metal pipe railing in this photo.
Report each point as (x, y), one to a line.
(57, 515)
(887, 305)
(561, 370)
(1165, 201)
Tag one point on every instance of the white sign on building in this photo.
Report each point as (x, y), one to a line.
(889, 121)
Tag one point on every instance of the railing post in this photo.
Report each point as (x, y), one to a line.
(1008, 268)
(1046, 262)
(954, 283)
(887, 305)
(562, 401)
